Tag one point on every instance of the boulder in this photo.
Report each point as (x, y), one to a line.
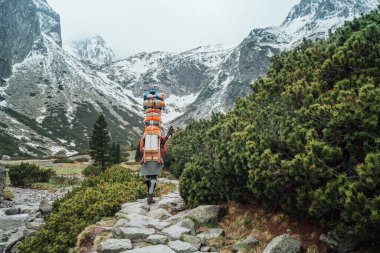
(13, 211)
(205, 214)
(283, 244)
(114, 245)
(45, 206)
(151, 249)
(157, 239)
(174, 232)
(249, 241)
(131, 233)
(160, 214)
(182, 247)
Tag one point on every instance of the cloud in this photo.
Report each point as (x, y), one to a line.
(131, 26)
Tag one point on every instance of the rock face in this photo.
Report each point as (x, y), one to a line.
(283, 244)
(49, 100)
(92, 51)
(2, 181)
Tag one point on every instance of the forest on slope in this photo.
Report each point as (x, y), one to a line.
(307, 139)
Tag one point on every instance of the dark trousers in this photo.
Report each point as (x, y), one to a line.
(150, 182)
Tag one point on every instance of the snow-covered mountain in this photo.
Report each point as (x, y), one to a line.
(210, 79)
(92, 51)
(49, 99)
(309, 19)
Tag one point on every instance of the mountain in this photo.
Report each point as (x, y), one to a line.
(180, 75)
(310, 19)
(210, 79)
(49, 100)
(92, 51)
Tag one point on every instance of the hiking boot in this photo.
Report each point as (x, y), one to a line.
(150, 199)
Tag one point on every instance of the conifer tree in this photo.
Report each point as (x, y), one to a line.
(99, 142)
(117, 154)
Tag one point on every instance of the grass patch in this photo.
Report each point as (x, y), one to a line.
(163, 189)
(68, 171)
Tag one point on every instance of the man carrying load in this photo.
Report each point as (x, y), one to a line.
(153, 142)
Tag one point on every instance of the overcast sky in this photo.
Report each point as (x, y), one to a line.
(132, 26)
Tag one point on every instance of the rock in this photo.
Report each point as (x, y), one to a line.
(205, 249)
(172, 203)
(151, 249)
(134, 209)
(136, 220)
(249, 241)
(187, 223)
(160, 214)
(177, 217)
(182, 247)
(157, 239)
(211, 233)
(45, 206)
(144, 205)
(343, 244)
(132, 233)
(205, 214)
(114, 245)
(13, 211)
(283, 244)
(29, 232)
(174, 232)
(34, 225)
(195, 241)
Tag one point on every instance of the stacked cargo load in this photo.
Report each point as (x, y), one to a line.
(153, 138)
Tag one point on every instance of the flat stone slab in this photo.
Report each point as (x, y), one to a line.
(142, 205)
(211, 233)
(160, 214)
(195, 241)
(141, 221)
(182, 247)
(175, 232)
(151, 249)
(114, 245)
(157, 239)
(135, 209)
(132, 233)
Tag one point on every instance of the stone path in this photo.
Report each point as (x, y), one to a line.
(164, 227)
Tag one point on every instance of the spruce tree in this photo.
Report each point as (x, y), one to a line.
(117, 154)
(99, 142)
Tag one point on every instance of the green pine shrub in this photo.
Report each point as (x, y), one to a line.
(92, 170)
(97, 197)
(63, 160)
(25, 174)
(307, 139)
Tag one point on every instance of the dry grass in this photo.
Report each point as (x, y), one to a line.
(88, 240)
(265, 223)
(163, 189)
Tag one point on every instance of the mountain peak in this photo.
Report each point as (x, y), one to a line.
(93, 51)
